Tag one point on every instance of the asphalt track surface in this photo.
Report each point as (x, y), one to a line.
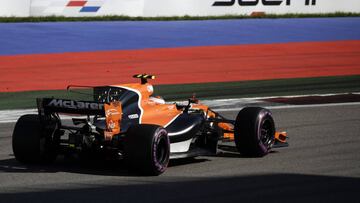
(321, 164)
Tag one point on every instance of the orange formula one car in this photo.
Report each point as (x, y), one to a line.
(126, 122)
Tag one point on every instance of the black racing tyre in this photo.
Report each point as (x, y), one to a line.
(147, 149)
(254, 131)
(30, 144)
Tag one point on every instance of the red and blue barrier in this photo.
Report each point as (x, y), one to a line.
(60, 37)
(37, 56)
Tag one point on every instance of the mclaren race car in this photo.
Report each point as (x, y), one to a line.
(126, 122)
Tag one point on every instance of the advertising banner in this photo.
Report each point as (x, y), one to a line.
(246, 7)
(77, 8)
(19, 8)
(153, 8)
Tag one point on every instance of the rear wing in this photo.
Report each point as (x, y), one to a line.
(47, 106)
(111, 111)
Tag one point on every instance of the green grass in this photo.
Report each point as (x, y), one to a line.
(262, 88)
(171, 18)
(341, 84)
(24, 100)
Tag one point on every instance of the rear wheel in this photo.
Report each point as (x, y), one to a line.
(254, 131)
(33, 144)
(147, 149)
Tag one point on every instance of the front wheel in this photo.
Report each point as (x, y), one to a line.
(254, 131)
(147, 149)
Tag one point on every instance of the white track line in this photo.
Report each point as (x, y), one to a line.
(294, 106)
(289, 96)
(11, 116)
